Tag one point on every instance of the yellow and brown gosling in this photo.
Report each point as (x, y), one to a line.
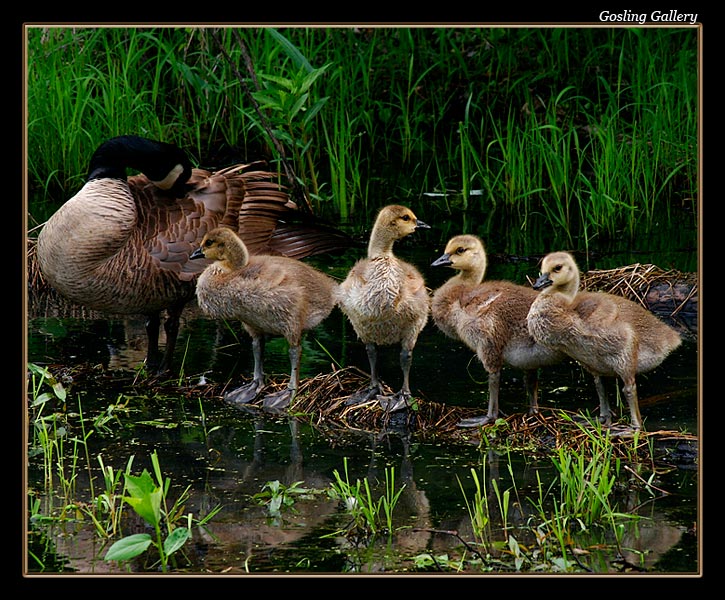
(386, 300)
(608, 335)
(270, 296)
(490, 318)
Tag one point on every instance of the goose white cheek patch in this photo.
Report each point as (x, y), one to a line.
(168, 181)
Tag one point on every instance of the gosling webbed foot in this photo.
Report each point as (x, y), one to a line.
(476, 421)
(623, 431)
(244, 394)
(394, 403)
(363, 395)
(278, 401)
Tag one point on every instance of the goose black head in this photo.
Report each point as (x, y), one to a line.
(166, 165)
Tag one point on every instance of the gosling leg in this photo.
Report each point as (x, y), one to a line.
(494, 384)
(249, 391)
(406, 360)
(400, 400)
(605, 412)
(374, 388)
(282, 399)
(372, 352)
(630, 392)
(532, 390)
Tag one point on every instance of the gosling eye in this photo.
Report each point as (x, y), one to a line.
(557, 268)
(405, 218)
(208, 243)
(460, 250)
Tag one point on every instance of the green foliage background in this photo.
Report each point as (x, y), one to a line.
(589, 131)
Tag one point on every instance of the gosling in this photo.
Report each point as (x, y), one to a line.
(270, 295)
(607, 334)
(386, 301)
(490, 318)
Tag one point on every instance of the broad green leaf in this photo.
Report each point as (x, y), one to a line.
(144, 497)
(312, 77)
(129, 547)
(140, 485)
(311, 112)
(42, 398)
(275, 504)
(282, 82)
(58, 388)
(177, 538)
(148, 507)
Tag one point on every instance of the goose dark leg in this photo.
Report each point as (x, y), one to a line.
(406, 360)
(282, 399)
(605, 412)
(171, 327)
(374, 388)
(494, 384)
(153, 323)
(248, 392)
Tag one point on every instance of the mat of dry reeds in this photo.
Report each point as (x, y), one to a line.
(322, 402)
(667, 292)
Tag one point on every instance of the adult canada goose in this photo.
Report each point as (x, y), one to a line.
(386, 300)
(270, 295)
(607, 334)
(122, 244)
(490, 318)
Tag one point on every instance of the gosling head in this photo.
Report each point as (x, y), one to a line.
(464, 253)
(559, 273)
(222, 245)
(393, 223)
(400, 221)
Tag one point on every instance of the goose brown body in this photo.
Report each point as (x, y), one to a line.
(608, 335)
(385, 298)
(270, 295)
(122, 245)
(490, 318)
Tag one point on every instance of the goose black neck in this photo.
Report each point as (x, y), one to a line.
(157, 160)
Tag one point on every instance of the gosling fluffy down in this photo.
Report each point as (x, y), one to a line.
(490, 318)
(607, 334)
(270, 295)
(386, 300)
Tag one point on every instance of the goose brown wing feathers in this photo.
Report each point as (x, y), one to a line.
(270, 223)
(242, 197)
